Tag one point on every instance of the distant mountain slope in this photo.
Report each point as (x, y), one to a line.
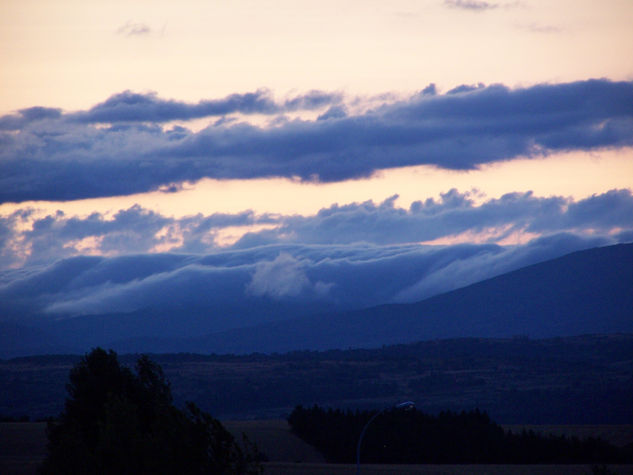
(584, 292)
(18, 340)
(581, 293)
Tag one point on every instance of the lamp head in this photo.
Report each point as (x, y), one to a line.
(405, 405)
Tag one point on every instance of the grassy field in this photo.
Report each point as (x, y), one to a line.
(23, 446)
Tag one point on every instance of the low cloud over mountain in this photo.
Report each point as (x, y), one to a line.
(300, 297)
(292, 276)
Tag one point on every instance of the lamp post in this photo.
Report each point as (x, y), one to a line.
(402, 405)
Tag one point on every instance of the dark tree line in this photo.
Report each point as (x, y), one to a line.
(116, 421)
(412, 437)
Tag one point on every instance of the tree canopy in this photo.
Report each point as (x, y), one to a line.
(116, 421)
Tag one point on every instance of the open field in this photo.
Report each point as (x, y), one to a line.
(342, 469)
(618, 435)
(23, 446)
(274, 438)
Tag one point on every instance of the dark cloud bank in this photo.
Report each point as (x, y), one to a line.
(118, 146)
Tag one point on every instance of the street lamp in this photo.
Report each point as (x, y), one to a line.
(402, 405)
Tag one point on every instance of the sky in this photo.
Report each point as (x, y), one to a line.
(329, 155)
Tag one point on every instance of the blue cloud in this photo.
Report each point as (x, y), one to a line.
(453, 214)
(129, 106)
(132, 107)
(61, 158)
(608, 211)
(138, 230)
(26, 116)
(334, 112)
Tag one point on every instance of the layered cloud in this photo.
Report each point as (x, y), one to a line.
(28, 238)
(119, 146)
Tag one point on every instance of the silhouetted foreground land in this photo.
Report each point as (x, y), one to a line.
(23, 444)
(23, 447)
(126, 422)
(575, 380)
(342, 469)
(412, 437)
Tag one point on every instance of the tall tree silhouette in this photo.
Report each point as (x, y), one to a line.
(116, 421)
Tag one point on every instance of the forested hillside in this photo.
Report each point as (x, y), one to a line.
(517, 380)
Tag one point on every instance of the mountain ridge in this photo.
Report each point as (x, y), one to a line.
(534, 301)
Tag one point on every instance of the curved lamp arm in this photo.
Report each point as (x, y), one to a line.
(406, 405)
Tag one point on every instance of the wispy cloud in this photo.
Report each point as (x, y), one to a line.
(472, 5)
(540, 28)
(131, 28)
(481, 5)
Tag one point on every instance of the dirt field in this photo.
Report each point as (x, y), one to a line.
(273, 437)
(340, 469)
(23, 446)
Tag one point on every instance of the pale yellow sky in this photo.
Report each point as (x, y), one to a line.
(75, 53)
